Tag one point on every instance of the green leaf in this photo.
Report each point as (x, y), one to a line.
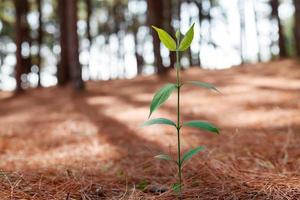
(159, 121)
(203, 85)
(164, 157)
(161, 96)
(176, 187)
(202, 125)
(187, 39)
(188, 155)
(166, 39)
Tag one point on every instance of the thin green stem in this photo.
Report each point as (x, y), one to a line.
(177, 68)
(179, 164)
(178, 120)
(178, 142)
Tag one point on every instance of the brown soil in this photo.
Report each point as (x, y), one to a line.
(58, 144)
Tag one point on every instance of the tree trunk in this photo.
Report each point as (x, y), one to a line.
(63, 68)
(155, 17)
(69, 68)
(73, 46)
(40, 40)
(200, 19)
(88, 19)
(297, 26)
(18, 40)
(139, 58)
(20, 35)
(281, 42)
(26, 37)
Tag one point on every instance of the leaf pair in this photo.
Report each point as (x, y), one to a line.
(195, 124)
(188, 155)
(170, 43)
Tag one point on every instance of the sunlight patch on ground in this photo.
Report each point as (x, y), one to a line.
(64, 155)
(84, 128)
(101, 100)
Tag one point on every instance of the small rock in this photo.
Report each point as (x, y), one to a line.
(157, 189)
(100, 192)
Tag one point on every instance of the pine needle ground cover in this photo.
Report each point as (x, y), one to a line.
(90, 146)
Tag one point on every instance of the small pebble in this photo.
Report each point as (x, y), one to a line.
(157, 189)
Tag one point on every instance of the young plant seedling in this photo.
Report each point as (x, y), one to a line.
(165, 92)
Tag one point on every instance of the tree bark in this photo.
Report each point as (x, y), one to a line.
(88, 19)
(19, 70)
(200, 18)
(21, 31)
(26, 37)
(139, 58)
(63, 68)
(40, 40)
(69, 69)
(297, 26)
(73, 45)
(281, 41)
(155, 17)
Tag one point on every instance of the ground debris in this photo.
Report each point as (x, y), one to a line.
(55, 144)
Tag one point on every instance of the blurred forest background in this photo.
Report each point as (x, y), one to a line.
(57, 143)
(54, 42)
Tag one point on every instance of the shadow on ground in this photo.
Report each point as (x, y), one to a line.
(57, 144)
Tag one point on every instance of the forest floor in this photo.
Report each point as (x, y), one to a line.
(58, 144)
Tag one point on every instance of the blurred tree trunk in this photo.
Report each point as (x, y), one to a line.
(69, 69)
(200, 18)
(118, 10)
(155, 17)
(275, 15)
(21, 35)
(19, 70)
(88, 19)
(89, 10)
(40, 39)
(297, 26)
(138, 56)
(26, 37)
(63, 75)
(73, 45)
